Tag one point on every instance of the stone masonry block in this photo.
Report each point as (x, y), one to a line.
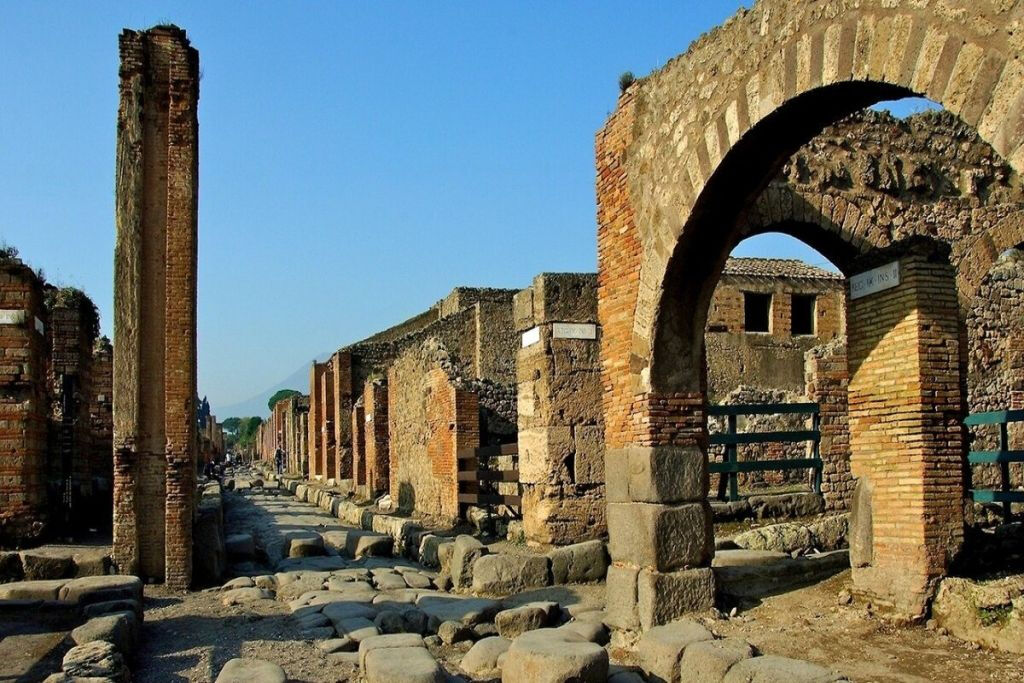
(663, 597)
(542, 451)
(616, 472)
(667, 474)
(661, 537)
(522, 307)
(621, 598)
(589, 457)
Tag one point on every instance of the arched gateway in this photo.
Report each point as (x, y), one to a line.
(679, 165)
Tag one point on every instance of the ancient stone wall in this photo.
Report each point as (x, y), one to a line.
(155, 428)
(23, 406)
(561, 439)
(995, 376)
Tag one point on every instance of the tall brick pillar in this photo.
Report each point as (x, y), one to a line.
(561, 427)
(827, 377)
(155, 428)
(359, 447)
(23, 409)
(316, 418)
(375, 420)
(342, 381)
(905, 431)
(328, 463)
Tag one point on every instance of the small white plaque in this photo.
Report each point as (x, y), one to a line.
(574, 331)
(875, 280)
(12, 316)
(368, 417)
(40, 327)
(531, 336)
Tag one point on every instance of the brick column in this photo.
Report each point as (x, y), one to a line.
(375, 406)
(328, 457)
(359, 447)
(342, 379)
(155, 430)
(827, 376)
(316, 418)
(906, 436)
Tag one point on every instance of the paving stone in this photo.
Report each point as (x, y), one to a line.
(594, 632)
(240, 546)
(387, 582)
(451, 608)
(465, 552)
(241, 596)
(772, 669)
(451, 632)
(98, 659)
(332, 645)
(306, 546)
(579, 563)
(398, 640)
(507, 574)
(10, 566)
(389, 621)
(240, 582)
(294, 589)
(110, 606)
(344, 658)
(512, 623)
(550, 655)
(403, 665)
(709, 660)
(356, 628)
(318, 633)
(482, 659)
(47, 563)
(248, 670)
(339, 611)
(418, 580)
(659, 649)
(416, 621)
(265, 581)
(312, 620)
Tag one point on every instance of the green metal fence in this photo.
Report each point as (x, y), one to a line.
(732, 439)
(1002, 457)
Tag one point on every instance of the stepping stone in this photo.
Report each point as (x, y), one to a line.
(710, 660)
(120, 630)
(248, 670)
(402, 665)
(482, 659)
(659, 650)
(550, 655)
(594, 632)
(579, 563)
(465, 552)
(90, 589)
(98, 659)
(306, 546)
(32, 590)
(356, 628)
(507, 574)
(772, 669)
(47, 564)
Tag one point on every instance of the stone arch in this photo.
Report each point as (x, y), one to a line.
(680, 162)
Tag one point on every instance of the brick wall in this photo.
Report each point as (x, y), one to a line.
(828, 378)
(23, 408)
(101, 420)
(317, 420)
(155, 430)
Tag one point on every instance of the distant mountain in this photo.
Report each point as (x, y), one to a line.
(257, 405)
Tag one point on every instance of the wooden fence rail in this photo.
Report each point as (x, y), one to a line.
(1002, 457)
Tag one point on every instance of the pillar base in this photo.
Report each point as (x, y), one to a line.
(640, 599)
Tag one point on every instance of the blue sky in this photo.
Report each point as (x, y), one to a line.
(357, 160)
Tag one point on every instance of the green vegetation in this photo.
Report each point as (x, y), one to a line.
(240, 432)
(994, 616)
(278, 395)
(625, 80)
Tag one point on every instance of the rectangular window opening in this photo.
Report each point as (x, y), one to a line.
(757, 310)
(803, 314)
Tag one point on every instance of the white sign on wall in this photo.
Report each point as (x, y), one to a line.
(875, 280)
(531, 336)
(574, 331)
(12, 316)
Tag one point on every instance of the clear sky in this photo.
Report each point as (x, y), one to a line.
(357, 159)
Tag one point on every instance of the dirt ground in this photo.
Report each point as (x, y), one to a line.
(189, 637)
(808, 623)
